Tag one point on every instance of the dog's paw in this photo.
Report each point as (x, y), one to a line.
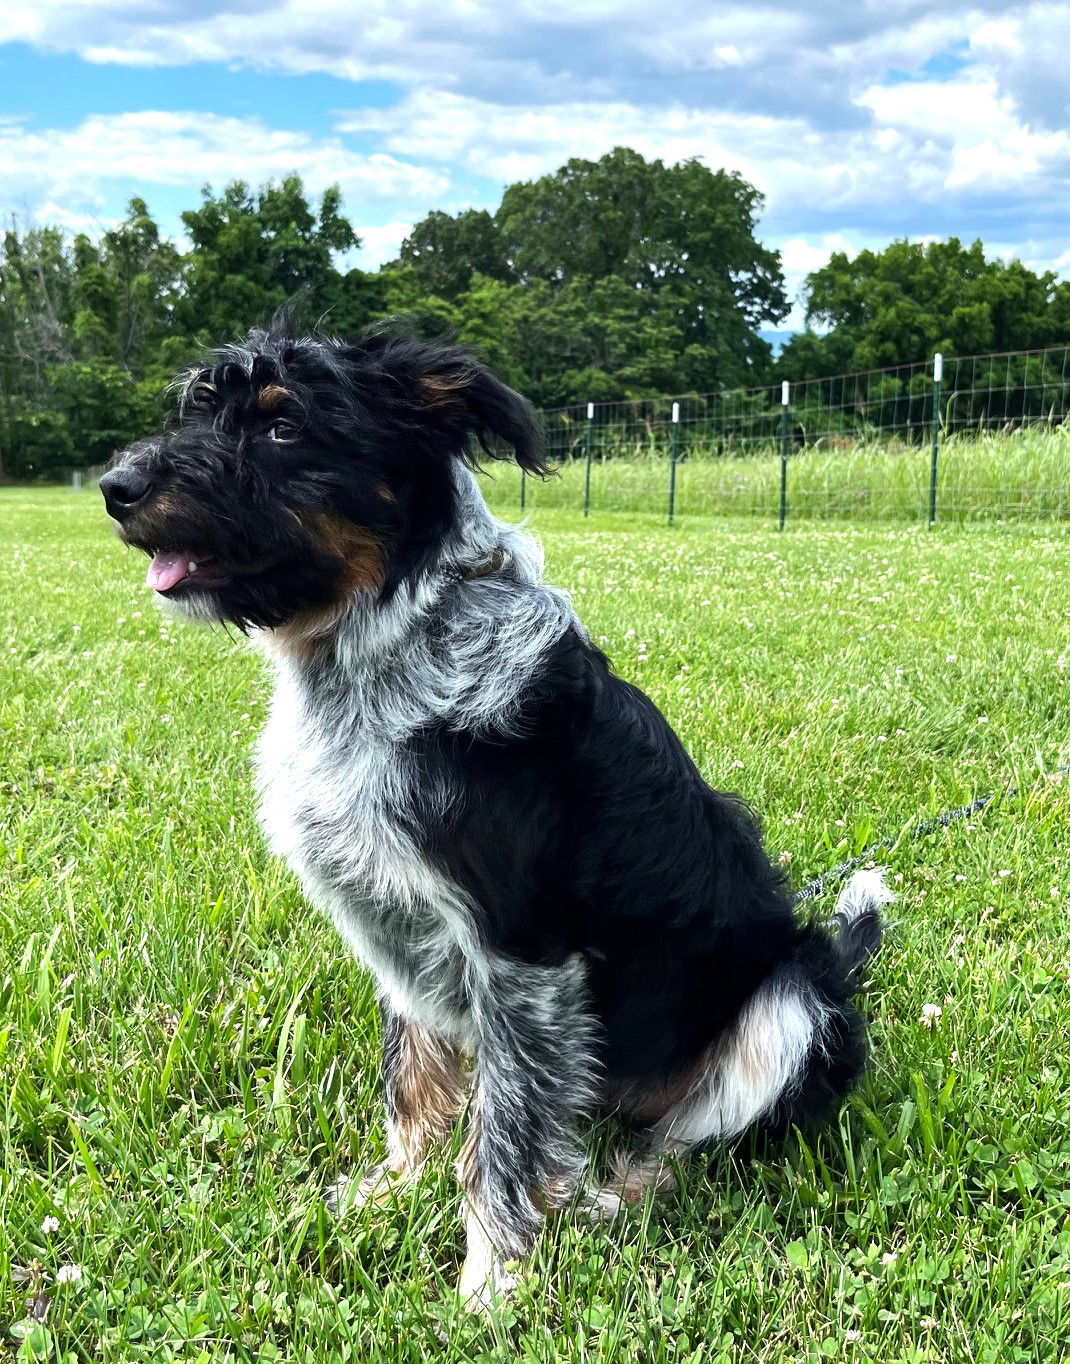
(601, 1204)
(485, 1282)
(633, 1177)
(376, 1185)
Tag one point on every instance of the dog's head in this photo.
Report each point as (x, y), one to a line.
(299, 471)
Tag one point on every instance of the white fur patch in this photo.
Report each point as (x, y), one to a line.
(865, 891)
(758, 1061)
(484, 1277)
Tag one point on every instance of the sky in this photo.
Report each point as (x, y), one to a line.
(859, 122)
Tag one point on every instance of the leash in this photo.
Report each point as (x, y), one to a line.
(816, 887)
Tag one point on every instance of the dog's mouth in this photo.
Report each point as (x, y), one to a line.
(175, 572)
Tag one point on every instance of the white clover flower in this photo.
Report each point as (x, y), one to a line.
(930, 1015)
(50, 1225)
(68, 1274)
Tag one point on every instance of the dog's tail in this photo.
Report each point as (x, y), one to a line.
(828, 969)
(858, 924)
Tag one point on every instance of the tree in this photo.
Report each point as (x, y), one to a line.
(36, 279)
(446, 253)
(254, 251)
(914, 298)
(682, 234)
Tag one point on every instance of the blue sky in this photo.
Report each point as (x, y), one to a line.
(859, 122)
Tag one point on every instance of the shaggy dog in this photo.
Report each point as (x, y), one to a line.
(512, 839)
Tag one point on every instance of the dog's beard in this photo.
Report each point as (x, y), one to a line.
(295, 567)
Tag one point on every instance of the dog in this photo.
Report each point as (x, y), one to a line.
(510, 837)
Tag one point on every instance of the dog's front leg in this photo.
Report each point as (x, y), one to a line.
(535, 1074)
(424, 1089)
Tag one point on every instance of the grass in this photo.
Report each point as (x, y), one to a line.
(989, 477)
(187, 1057)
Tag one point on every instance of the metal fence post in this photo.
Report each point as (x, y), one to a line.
(674, 437)
(785, 397)
(938, 377)
(587, 473)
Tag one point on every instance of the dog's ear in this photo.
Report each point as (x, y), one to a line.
(467, 400)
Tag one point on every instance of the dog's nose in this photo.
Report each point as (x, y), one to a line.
(123, 489)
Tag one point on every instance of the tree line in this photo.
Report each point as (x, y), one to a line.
(610, 279)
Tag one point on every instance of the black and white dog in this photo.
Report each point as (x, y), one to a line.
(511, 838)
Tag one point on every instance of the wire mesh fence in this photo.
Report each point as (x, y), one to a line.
(961, 438)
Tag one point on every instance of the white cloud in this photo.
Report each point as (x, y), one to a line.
(379, 243)
(1025, 52)
(73, 220)
(983, 140)
(509, 142)
(926, 140)
(807, 102)
(75, 166)
(777, 55)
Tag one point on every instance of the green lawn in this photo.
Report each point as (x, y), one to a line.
(187, 1057)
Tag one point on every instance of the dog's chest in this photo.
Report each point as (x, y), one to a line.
(338, 803)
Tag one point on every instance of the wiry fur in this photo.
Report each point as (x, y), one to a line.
(510, 838)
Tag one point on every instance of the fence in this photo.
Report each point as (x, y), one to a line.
(961, 438)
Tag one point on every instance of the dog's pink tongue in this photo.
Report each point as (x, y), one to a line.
(166, 570)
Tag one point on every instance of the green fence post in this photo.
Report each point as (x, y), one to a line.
(785, 395)
(938, 377)
(674, 435)
(523, 487)
(587, 474)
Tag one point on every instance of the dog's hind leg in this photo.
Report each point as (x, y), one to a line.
(799, 1044)
(796, 1049)
(424, 1088)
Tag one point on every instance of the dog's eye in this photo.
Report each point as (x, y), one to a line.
(283, 432)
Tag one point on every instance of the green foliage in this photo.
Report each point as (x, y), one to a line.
(254, 251)
(914, 298)
(102, 402)
(38, 437)
(445, 253)
(613, 280)
(617, 278)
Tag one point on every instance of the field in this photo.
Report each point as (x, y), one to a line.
(1021, 476)
(187, 1057)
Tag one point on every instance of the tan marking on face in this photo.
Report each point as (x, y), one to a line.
(363, 561)
(359, 550)
(271, 395)
(165, 518)
(384, 494)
